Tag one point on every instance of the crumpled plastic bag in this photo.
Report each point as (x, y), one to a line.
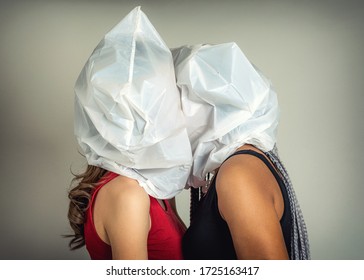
(227, 103)
(128, 116)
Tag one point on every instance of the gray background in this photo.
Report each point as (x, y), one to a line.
(311, 50)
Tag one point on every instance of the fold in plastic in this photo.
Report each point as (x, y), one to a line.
(227, 102)
(128, 116)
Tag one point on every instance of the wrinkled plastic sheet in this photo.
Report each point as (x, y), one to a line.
(169, 117)
(128, 116)
(227, 102)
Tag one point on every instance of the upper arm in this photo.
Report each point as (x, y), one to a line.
(247, 204)
(127, 221)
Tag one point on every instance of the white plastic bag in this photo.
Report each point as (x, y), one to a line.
(128, 116)
(227, 103)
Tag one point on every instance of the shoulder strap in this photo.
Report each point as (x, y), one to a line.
(108, 176)
(261, 157)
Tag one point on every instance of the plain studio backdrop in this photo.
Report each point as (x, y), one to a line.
(312, 51)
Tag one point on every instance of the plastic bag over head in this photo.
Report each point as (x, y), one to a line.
(227, 102)
(128, 116)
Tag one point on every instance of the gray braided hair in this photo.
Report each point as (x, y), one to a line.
(300, 249)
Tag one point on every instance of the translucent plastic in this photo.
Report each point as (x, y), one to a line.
(128, 116)
(165, 120)
(227, 103)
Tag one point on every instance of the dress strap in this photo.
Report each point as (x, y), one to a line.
(262, 158)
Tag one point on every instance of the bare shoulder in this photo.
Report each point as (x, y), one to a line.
(123, 189)
(246, 179)
(243, 171)
(249, 200)
(117, 199)
(121, 217)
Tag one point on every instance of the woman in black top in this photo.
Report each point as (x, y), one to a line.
(249, 210)
(243, 214)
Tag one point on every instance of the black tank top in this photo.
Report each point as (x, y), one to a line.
(208, 236)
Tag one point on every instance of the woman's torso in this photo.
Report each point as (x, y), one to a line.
(208, 236)
(164, 238)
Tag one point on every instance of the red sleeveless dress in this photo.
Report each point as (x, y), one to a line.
(164, 238)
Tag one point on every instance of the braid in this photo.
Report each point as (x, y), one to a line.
(299, 242)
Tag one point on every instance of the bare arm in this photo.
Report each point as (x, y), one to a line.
(250, 201)
(125, 218)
